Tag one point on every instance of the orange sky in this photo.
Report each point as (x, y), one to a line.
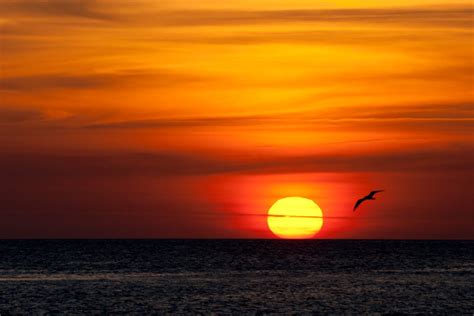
(181, 118)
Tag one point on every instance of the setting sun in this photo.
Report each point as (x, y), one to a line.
(295, 218)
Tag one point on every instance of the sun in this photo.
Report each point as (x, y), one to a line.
(295, 218)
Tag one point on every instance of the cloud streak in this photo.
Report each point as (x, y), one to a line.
(460, 115)
(315, 37)
(448, 17)
(444, 16)
(55, 8)
(162, 78)
(14, 115)
(39, 166)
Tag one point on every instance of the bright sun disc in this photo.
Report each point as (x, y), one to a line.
(295, 218)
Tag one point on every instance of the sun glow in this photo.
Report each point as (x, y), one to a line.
(295, 218)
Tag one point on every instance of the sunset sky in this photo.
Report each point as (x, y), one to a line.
(189, 119)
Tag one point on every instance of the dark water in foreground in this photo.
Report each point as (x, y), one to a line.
(236, 276)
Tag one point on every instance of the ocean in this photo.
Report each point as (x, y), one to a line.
(252, 277)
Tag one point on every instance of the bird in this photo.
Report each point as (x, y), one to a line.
(370, 196)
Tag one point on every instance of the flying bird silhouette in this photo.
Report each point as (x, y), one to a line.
(370, 196)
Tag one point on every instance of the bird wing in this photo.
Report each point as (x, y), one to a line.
(371, 194)
(358, 203)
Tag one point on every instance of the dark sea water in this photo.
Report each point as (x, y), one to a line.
(236, 277)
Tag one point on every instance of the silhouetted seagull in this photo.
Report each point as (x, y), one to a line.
(368, 197)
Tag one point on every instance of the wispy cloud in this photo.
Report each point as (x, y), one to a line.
(160, 78)
(15, 114)
(38, 165)
(55, 8)
(447, 17)
(160, 15)
(460, 115)
(362, 37)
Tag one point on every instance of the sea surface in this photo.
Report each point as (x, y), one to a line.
(236, 277)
